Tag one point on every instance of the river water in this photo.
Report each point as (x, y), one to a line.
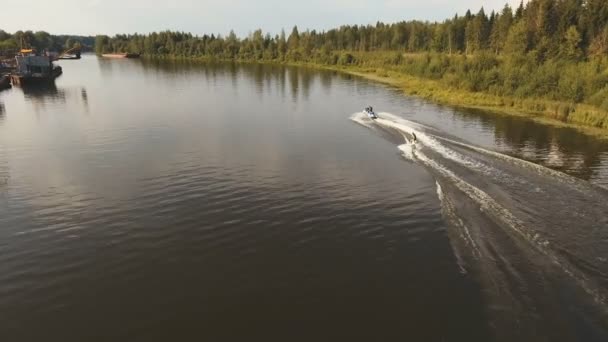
(154, 201)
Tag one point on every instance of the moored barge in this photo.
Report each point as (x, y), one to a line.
(120, 55)
(33, 69)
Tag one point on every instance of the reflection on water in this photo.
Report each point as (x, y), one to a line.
(243, 195)
(561, 148)
(39, 96)
(298, 80)
(239, 192)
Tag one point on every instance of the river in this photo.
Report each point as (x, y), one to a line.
(152, 201)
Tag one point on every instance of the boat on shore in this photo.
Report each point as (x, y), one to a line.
(32, 68)
(121, 55)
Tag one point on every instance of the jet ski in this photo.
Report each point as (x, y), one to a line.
(369, 111)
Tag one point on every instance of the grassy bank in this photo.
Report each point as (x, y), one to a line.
(584, 117)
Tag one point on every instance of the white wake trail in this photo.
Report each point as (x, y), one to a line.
(487, 204)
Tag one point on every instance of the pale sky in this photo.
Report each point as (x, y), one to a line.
(89, 17)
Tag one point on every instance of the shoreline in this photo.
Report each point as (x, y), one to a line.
(435, 93)
(545, 111)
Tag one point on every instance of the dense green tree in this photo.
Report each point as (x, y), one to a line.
(518, 39)
(554, 49)
(101, 44)
(595, 17)
(571, 45)
(599, 45)
(293, 41)
(232, 45)
(39, 40)
(4, 35)
(282, 45)
(519, 13)
(501, 28)
(549, 29)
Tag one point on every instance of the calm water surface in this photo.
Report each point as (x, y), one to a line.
(147, 201)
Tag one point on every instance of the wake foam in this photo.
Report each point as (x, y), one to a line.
(496, 184)
(407, 151)
(363, 120)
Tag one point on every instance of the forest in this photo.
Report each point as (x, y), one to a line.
(547, 57)
(41, 40)
(554, 51)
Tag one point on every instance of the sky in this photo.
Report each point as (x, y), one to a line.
(90, 17)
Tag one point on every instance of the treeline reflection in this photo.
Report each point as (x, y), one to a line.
(560, 148)
(292, 81)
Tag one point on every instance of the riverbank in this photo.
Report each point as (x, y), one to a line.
(583, 117)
